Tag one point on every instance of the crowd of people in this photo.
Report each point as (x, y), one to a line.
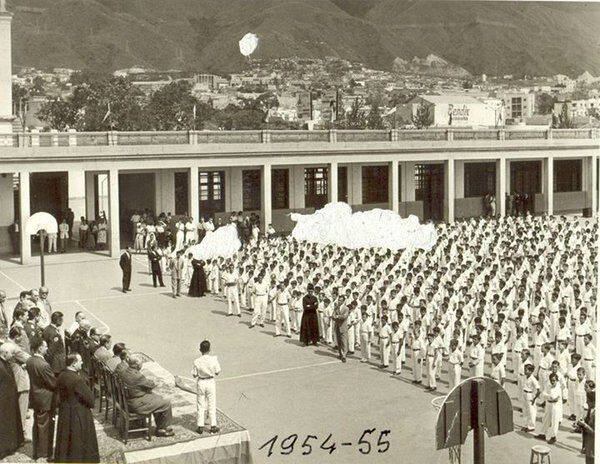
(521, 290)
(47, 368)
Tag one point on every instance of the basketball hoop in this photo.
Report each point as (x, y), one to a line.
(453, 451)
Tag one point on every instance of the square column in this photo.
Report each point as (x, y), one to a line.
(114, 222)
(550, 184)
(77, 199)
(501, 200)
(593, 161)
(267, 206)
(90, 195)
(333, 182)
(24, 213)
(194, 195)
(394, 189)
(451, 190)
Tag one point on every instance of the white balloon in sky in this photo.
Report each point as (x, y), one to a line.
(248, 44)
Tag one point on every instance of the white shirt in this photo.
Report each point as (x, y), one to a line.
(206, 367)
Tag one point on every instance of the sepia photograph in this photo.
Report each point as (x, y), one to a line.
(299, 231)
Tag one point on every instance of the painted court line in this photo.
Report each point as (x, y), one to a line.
(13, 281)
(277, 371)
(108, 297)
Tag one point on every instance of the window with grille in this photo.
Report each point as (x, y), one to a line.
(375, 184)
(480, 179)
(567, 175)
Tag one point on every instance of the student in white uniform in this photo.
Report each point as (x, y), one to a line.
(588, 357)
(366, 333)
(231, 292)
(572, 384)
(498, 372)
(397, 341)
(205, 369)
(552, 396)
(261, 300)
(282, 314)
(531, 390)
(477, 357)
(455, 362)
(385, 334)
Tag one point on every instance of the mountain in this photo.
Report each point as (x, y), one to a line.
(539, 38)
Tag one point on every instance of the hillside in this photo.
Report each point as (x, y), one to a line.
(481, 37)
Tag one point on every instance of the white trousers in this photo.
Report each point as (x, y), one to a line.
(384, 347)
(529, 411)
(52, 243)
(282, 315)
(206, 402)
(417, 366)
(233, 300)
(396, 355)
(365, 347)
(260, 310)
(454, 375)
(431, 371)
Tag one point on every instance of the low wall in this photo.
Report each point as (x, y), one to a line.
(468, 207)
(571, 202)
(411, 207)
(370, 206)
(281, 220)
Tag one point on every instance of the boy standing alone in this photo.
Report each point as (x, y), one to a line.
(205, 369)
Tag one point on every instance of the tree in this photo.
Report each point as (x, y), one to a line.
(422, 118)
(38, 86)
(355, 118)
(58, 114)
(374, 120)
(87, 109)
(172, 108)
(564, 118)
(545, 103)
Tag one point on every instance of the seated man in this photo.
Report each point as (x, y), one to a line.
(103, 353)
(113, 362)
(141, 400)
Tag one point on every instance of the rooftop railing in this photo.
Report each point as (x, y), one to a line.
(116, 138)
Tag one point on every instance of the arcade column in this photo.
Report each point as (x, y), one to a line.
(394, 189)
(333, 182)
(194, 199)
(267, 207)
(114, 221)
(550, 184)
(501, 199)
(451, 190)
(24, 213)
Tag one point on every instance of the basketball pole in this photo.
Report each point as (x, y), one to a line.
(42, 245)
(478, 421)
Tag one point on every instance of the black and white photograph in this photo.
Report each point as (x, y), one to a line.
(299, 231)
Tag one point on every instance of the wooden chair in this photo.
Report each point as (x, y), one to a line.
(108, 380)
(127, 417)
(100, 388)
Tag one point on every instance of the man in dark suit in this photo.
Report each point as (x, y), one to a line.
(141, 400)
(154, 258)
(53, 335)
(125, 264)
(41, 393)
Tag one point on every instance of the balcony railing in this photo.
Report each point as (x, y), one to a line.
(114, 138)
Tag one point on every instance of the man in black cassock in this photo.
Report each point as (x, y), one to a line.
(76, 439)
(11, 428)
(309, 327)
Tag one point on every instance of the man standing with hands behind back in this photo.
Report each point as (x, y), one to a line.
(340, 318)
(125, 264)
(177, 266)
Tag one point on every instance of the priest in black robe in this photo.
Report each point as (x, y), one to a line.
(76, 439)
(198, 282)
(11, 428)
(309, 327)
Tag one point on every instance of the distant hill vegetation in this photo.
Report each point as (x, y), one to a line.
(480, 37)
